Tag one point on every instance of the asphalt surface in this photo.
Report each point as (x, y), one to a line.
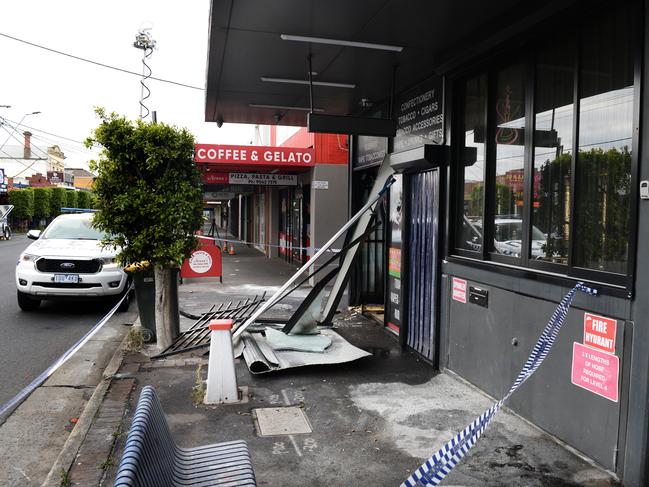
(31, 341)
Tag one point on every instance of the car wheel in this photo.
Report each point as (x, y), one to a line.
(27, 303)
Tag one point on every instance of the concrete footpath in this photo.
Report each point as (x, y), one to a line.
(372, 421)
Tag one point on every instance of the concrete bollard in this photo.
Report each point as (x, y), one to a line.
(221, 378)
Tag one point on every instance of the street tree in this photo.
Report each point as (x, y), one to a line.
(149, 201)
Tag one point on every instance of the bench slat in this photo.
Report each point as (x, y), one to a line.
(151, 457)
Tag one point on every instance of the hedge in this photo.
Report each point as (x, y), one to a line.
(57, 200)
(71, 199)
(83, 199)
(42, 202)
(23, 201)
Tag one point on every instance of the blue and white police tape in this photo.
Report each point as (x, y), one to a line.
(258, 244)
(26, 391)
(437, 467)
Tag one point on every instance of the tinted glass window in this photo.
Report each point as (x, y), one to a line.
(509, 107)
(553, 117)
(469, 226)
(603, 169)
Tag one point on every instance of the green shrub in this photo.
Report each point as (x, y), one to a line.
(83, 199)
(71, 199)
(57, 200)
(42, 202)
(23, 201)
(148, 188)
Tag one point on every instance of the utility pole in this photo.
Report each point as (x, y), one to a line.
(145, 42)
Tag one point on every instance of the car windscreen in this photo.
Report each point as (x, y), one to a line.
(72, 228)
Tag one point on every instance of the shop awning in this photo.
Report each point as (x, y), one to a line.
(258, 60)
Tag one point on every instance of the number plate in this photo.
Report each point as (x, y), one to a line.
(67, 278)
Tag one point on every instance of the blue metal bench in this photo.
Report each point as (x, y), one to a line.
(152, 459)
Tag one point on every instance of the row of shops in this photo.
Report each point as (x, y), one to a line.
(517, 142)
(268, 196)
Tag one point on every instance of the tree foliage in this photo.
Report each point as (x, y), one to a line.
(148, 189)
(23, 201)
(602, 207)
(70, 198)
(83, 199)
(57, 201)
(42, 197)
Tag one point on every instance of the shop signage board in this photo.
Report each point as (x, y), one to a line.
(205, 261)
(55, 177)
(420, 115)
(319, 184)
(595, 371)
(599, 332)
(394, 308)
(247, 179)
(215, 178)
(251, 155)
(459, 290)
(369, 151)
(262, 179)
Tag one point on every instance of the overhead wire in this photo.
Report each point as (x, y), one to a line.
(97, 63)
(44, 132)
(12, 134)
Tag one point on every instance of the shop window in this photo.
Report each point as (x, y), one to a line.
(545, 155)
(603, 170)
(471, 195)
(553, 141)
(509, 139)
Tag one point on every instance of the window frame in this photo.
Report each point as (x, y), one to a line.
(527, 54)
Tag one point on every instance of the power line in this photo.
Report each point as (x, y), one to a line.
(67, 147)
(48, 133)
(97, 63)
(13, 135)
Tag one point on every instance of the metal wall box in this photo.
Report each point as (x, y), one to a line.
(479, 296)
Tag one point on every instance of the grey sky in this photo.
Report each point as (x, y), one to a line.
(66, 90)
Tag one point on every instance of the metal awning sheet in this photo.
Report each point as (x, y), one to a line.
(261, 359)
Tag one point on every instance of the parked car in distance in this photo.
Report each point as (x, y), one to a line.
(508, 234)
(67, 261)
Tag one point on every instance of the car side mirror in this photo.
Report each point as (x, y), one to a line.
(34, 234)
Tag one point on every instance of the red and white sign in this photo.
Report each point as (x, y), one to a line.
(200, 261)
(262, 179)
(205, 261)
(599, 332)
(595, 371)
(459, 290)
(216, 178)
(253, 155)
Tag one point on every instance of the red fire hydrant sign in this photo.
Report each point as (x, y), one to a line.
(595, 371)
(459, 290)
(205, 261)
(599, 332)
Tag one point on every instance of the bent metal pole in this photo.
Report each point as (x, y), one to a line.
(302, 269)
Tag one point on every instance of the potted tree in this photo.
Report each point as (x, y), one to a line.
(149, 200)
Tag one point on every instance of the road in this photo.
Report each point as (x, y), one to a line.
(31, 341)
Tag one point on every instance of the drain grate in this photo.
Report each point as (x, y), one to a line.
(281, 421)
